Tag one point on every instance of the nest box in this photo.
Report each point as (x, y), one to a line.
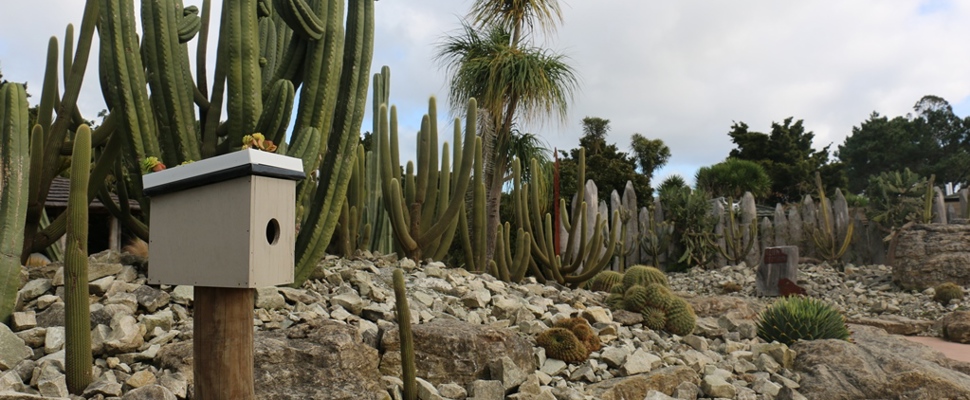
(226, 221)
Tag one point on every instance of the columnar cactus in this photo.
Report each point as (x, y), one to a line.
(825, 235)
(77, 313)
(14, 161)
(738, 239)
(408, 373)
(425, 210)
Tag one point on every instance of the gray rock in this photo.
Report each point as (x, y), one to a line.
(350, 302)
(150, 392)
(452, 391)
(52, 316)
(12, 348)
(553, 367)
(52, 383)
(486, 390)
(614, 356)
(895, 324)
(956, 326)
(23, 320)
(104, 388)
(664, 380)
(930, 254)
(10, 395)
(126, 335)
(877, 365)
(96, 270)
(716, 386)
(506, 371)
(54, 339)
(99, 287)
(454, 351)
(641, 361)
(477, 298)
(34, 289)
(141, 378)
(781, 353)
(151, 299)
(427, 391)
(269, 298)
(655, 395)
(183, 294)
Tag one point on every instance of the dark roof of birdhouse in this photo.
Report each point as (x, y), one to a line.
(60, 189)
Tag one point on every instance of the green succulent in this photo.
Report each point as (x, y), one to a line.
(605, 281)
(635, 298)
(946, 292)
(562, 344)
(681, 319)
(654, 318)
(801, 318)
(658, 296)
(643, 275)
(615, 301)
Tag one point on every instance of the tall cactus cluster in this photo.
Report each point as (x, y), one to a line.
(161, 113)
(408, 372)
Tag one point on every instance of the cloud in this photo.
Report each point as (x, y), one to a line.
(679, 71)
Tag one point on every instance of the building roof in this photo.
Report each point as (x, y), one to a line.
(61, 188)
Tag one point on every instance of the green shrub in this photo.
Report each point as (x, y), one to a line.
(801, 318)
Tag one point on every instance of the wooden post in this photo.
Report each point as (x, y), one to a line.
(223, 343)
(778, 262)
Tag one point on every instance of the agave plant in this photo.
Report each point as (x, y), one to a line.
(801, 318)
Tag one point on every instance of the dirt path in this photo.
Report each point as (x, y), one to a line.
(956, 351)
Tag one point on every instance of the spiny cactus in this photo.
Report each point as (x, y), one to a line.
(77, 313)
(15, 149)
(654, 318)
(946, 292)
(583, 331)
(605, 281)
(424, 207)
(562, 344)
(801, 318)
(643, 275)
(658, 296)
(681, 319)
(738, 239)
(408, 372)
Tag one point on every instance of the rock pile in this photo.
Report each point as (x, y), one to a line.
(336, 338)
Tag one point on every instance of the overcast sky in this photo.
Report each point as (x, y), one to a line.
(681, 71)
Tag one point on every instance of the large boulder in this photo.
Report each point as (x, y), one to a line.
(448, 351)
(928, 255)
(876, 366)
(956, 326)
(317, 360)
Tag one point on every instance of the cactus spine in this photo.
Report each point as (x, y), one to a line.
(738, 239)
(15, 152)
(408, 372)
(77, 317)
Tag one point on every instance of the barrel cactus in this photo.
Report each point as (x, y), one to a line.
(946, 292)
(654, 318)
(643, 275)
(562, 344)
(681, 319)
(605, 281)
(580, 327)
(801, 318)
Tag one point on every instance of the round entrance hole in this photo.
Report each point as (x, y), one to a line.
(272, 231)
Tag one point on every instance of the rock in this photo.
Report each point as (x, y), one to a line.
(452, 391)
(505, 370)
(269, 298)
(140, 379)
(316, 360)
(12, 348)
(104, 388)
(778, 351)
(956, 326)
(454, 351)
(9, 395)
(877, 365)
(614, 356)
(641, 361)
(150, 392)
(486, 390)
(183, 294)
(51, 382)
(895, 324)
(930, 254)
(553, 367)
(126, 335)
(151, 299)
(477, 298)
(34, 289)
(427, 391)
(716, 306)
(52, 316)
(349, 301)
(23, 320)
(96, 270)
(627, 318)
(54, 339)
(664, 380)
(655, 395)
(715, 385)
(597, 314)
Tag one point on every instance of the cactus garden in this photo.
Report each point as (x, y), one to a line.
(464, 260)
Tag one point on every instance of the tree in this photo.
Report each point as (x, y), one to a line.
(933, 142)
(651, 154)
(733, 177)
(605, 165)
(493, 60)
(788, 157)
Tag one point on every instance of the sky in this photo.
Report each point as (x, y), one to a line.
(680, 71)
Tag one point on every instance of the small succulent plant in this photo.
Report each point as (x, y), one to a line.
(946, 292)
(562, 344)
(801, 318)
(605, 281)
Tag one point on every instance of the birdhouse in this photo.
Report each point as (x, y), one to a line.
(226, 221)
